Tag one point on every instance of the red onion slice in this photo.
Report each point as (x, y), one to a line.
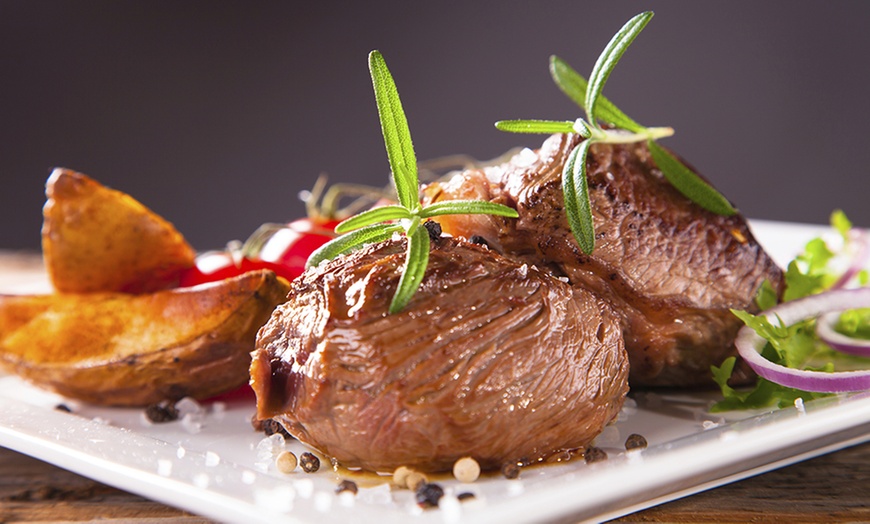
(827, 334)
(749, 343)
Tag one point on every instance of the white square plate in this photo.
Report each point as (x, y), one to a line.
(214, 464)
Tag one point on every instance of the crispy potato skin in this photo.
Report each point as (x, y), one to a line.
(132, 350)
(97, 239)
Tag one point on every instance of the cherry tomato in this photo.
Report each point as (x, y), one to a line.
(291, 246)
(283, 249)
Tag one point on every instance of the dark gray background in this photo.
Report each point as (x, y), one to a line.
(216, 114)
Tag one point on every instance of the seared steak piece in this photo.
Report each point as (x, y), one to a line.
(491, 359)
(671, 269)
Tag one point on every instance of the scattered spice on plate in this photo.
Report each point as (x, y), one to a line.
(347, 485)
(594, 454)
(510, 470)
(273, 427)
(64, 408)
(635, 441)
(400, 476)
(466, 470)
(428, 495)
(415, 479)
(465, 495)
(162, 412)
(286, 462)
(309, 462)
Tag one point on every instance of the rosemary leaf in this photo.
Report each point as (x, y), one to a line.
(351, 241)
(574, 86)
(416, 260)
(608, 60)
(546, 127)
(372, 216)
(688, 183)
(397, 136)
(467, 207)
(575, 191)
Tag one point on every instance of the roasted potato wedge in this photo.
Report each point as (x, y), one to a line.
(132, 350)
(98, 239)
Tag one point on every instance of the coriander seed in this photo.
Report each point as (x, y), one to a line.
(400, 476)
(286, 462)
(466, 470)
(416, 479)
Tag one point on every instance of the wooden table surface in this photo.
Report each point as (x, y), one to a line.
(830, 488)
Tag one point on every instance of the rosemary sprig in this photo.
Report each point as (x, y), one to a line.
(405, 217)
(588, 96)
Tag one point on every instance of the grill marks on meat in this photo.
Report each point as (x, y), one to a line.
(488, 360)
(671, 269)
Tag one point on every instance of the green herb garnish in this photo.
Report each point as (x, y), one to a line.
(625, 130)
(381, 223)
(795, 346)
(854, 323)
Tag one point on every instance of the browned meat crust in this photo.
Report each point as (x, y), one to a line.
(492, 359)
(671, 269)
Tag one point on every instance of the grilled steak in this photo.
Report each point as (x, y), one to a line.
(670, 269)
(492, 359)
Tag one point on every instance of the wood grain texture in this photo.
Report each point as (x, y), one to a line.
(34, 491)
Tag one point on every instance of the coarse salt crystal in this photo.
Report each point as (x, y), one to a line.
(515, 488)
(346, 499)
(212, 459)
(192, 423)
(164, 467)
(323, 501)
(248, 477)
(376, 495)
(728, 436)
(278, 499)
(304, 487)
(188, 405)
(451, 509)
(218, 410)
(525, 158)
(201, 481)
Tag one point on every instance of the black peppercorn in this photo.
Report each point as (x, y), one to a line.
(510, 470)
(428, 495)
(635, 441)
(477, 239)
(347, 485)
(465, 496)
(434, 229)
(271, 426)
(163, 412)
(309, 462)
